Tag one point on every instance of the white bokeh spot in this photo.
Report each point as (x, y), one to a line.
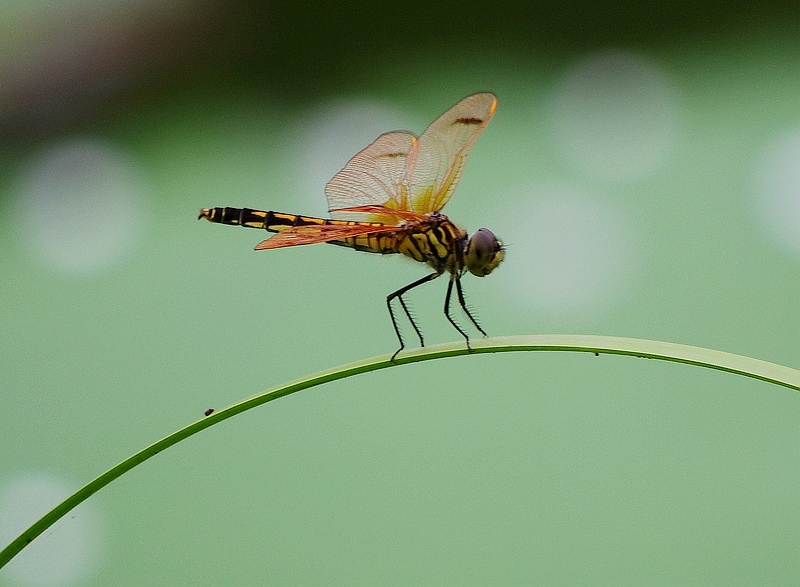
(79, 207)
(776, 190)
(68, 552)
(615, 115)
(572, 253)
(331, 135)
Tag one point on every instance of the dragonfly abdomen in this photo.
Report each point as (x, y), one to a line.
(382, 243)
(265, 220)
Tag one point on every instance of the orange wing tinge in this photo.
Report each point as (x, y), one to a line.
(318, 233)
(402, 172)
(436, 166)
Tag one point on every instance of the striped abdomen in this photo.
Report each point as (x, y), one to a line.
(278, 221)
(436, 242)
(271, 221)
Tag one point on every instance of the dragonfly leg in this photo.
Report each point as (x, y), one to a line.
(466, 309)
(447, 306)
(399, 295)
(411, 319)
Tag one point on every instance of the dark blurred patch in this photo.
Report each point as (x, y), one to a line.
(95, 65)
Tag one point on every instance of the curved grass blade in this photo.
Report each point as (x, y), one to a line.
(690, 355)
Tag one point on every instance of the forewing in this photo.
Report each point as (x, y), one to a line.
(383, 215)
(318, 233)
(373, 177)
(434, 167)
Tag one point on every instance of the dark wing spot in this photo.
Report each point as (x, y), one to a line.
(468, 121)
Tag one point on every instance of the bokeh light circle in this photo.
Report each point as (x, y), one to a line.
(614, 115)
(776, 190)
(334, 132)
(65, 554)
(79, 206)
(571, 252)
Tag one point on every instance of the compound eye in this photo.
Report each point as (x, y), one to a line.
(484, 252)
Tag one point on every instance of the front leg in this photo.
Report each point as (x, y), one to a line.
(453, 278)
(466, 309)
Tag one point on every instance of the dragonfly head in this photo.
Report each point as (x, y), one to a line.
(484, 252)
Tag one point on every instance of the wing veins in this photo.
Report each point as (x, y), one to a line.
(322, 233)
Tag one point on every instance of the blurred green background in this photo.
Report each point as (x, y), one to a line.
(643, 168)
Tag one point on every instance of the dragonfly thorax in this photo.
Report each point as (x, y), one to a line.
(447, 248)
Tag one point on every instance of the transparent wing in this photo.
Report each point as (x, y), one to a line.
(317, 233)
(373, 177)
(434, 163)
(389, 216)
(401, 172)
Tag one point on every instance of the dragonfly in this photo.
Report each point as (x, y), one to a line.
(388, 199)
